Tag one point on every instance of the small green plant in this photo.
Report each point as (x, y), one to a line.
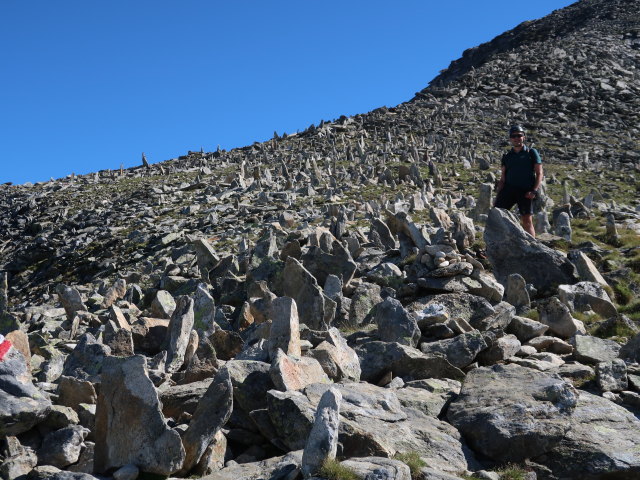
(632, 310)
(622, 292)
(512, 472)
(588, 319)
(413, 460)
(332, 470)
(532, 315)
(582, 381)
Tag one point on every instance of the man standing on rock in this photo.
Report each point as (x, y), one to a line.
(520, 179)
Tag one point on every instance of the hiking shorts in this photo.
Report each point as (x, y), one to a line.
(509, 196)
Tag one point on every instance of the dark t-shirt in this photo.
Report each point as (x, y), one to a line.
(519, 167)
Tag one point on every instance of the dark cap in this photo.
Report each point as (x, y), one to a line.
(516, 129)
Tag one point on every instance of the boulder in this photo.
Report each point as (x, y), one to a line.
(61, 448)
(130, 427)
(588, 349)
(178, 333)
(85, 362)
(509, 413)
(603, 441)
(380, 358)
(163, 305)
(22, 405)
(511, 250)
(459, 351)
(501, 349)
(526, 329)
(631, 350)
(395, 324)
(71, 300)
(212, 412)
(322, 443)
(285, 328)
(557, 316)
(378, 468)
(315, 309)
(295, 373)
(612, 376)
(584, 296)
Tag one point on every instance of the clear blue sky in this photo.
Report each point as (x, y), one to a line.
(88, 85)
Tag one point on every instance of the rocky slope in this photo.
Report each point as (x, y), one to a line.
(347, 290)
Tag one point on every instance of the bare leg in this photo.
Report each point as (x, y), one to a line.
(527, 224)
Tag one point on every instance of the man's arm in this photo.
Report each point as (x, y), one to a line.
(537, 169)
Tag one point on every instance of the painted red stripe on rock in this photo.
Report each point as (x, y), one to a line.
(4, 348)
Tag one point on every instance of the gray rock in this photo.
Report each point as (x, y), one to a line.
(526, 329)
(500, 319)
(395, 324)
(135, 431)
(502, 349)
(511, 250)
(116, 292)
(584, 296)
(314, 308)
(459, 351)
(22, 405)
(603, 441)
(378, 468)
(213, 411)
(17, 460)
(612, 376)
(516, 293)
(338, 360)
(178, 333)
(558, 317)
(379, 358)
(438, 308)
(85, 362)
(71, 300)
(322, 444)
(594, 350)
(295, 373)
(127, 472)
(204, 311)
(251, 382)
(510, 413)
(61, 448)
(587, 271)
(365, 297)
(631, 350)
(285, 328)
(163, 305)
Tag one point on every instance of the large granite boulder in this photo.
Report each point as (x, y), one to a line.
(509, 413)
(130, 427)
(602, 442)
(512, 250)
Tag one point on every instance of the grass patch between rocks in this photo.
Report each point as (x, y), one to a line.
(332, 470)
(413, 461)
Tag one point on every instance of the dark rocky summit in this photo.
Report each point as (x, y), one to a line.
(347, 292)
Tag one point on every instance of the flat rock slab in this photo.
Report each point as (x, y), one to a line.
(278, 467)
(510, 413)
(603, 442)
(588, 349)
(378, 467)
(372, 422)
(379, 358)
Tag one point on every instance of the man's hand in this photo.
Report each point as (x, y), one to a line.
(500, 185)
(531, 195)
